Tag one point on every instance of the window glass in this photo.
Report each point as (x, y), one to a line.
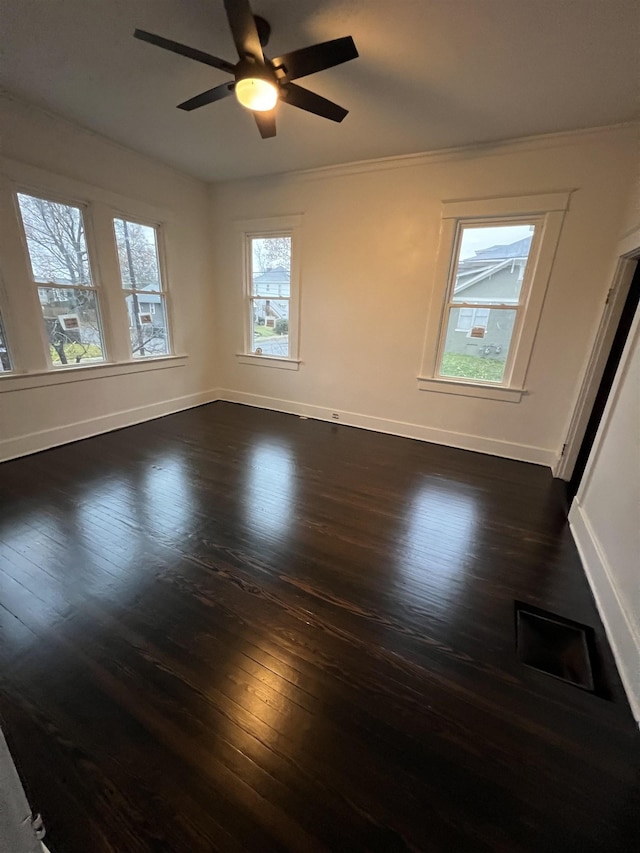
(147, 325)
(72, 325)
(481, 352)
(270, 295)
(57, 247)
(491, 263)
(271, 326)
(56, 241)
(141, 281)
(271, 266)
(138, 255)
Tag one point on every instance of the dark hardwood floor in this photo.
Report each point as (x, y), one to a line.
(232, 629)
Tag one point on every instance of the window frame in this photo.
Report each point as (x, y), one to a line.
(21, 309)
(277, 226)
(163, 292)
(547, 212)
(94, 273)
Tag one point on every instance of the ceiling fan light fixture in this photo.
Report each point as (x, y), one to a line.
(256, 93)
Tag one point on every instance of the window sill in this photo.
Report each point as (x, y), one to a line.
(269, 361)
(470, 389)
(63, 375)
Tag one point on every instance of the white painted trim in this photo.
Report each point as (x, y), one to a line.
(496, 148)
(268, 361)
(267, 224)
(34, 442)
(64, 375)
(464, 441)
(469, 389)
(528, 205)
(624, 641)
(612, 309)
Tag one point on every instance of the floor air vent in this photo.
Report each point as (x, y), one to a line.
(555, 646)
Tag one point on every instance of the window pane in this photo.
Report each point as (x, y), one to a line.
(271, 326)
(72, 324)
(138, 255)
(271, 266)
(481, 352)
(147, 325)
(491, 263)
(56, 241)
(5, 359)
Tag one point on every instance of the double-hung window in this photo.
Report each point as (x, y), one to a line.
(141, 279)
(61, 270)
(271, 293)
(495, 259)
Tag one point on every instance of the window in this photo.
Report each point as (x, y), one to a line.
(141, 281)
(489, 270)
(5, 358)
(271, 292)
(61, 270)
(470, 318)
(492, 271)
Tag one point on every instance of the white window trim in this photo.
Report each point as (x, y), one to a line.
(20, 303)
(548, 211)
(270, 227)
(79, 373)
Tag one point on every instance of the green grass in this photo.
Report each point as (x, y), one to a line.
(472, 367)
(263, 331)
(72, 351)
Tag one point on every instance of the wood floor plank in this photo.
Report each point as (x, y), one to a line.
(232, 629)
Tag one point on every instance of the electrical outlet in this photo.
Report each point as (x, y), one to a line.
(335, 416)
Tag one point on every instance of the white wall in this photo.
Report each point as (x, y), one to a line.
(65, 154)
(605, 516)
(370, 234)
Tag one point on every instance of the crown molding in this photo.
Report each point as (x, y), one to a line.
(464, 152)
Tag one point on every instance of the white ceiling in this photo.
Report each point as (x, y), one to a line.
(431, 74)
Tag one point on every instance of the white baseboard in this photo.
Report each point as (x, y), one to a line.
(464, 441)
(33, 442)
(624, 640)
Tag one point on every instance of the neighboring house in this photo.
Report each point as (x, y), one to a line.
(147, 303)
(270, 285)
(491, 275)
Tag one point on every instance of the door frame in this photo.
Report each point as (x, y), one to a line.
(628, 259)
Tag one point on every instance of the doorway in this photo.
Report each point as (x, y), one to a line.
(604, 389)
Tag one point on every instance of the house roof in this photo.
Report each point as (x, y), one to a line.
(276, 275)
(519, 249)
(494, 258)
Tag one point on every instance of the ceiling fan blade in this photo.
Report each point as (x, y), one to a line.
(266, 122)
(184, 50)
(312, 103)
(308, 60)
(207, 97)
(243, 29)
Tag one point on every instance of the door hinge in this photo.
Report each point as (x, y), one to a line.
(564, 447)
(608, 299)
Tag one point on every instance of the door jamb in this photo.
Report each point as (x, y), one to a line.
(624, 272)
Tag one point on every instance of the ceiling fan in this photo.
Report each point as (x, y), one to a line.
(259, 83)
